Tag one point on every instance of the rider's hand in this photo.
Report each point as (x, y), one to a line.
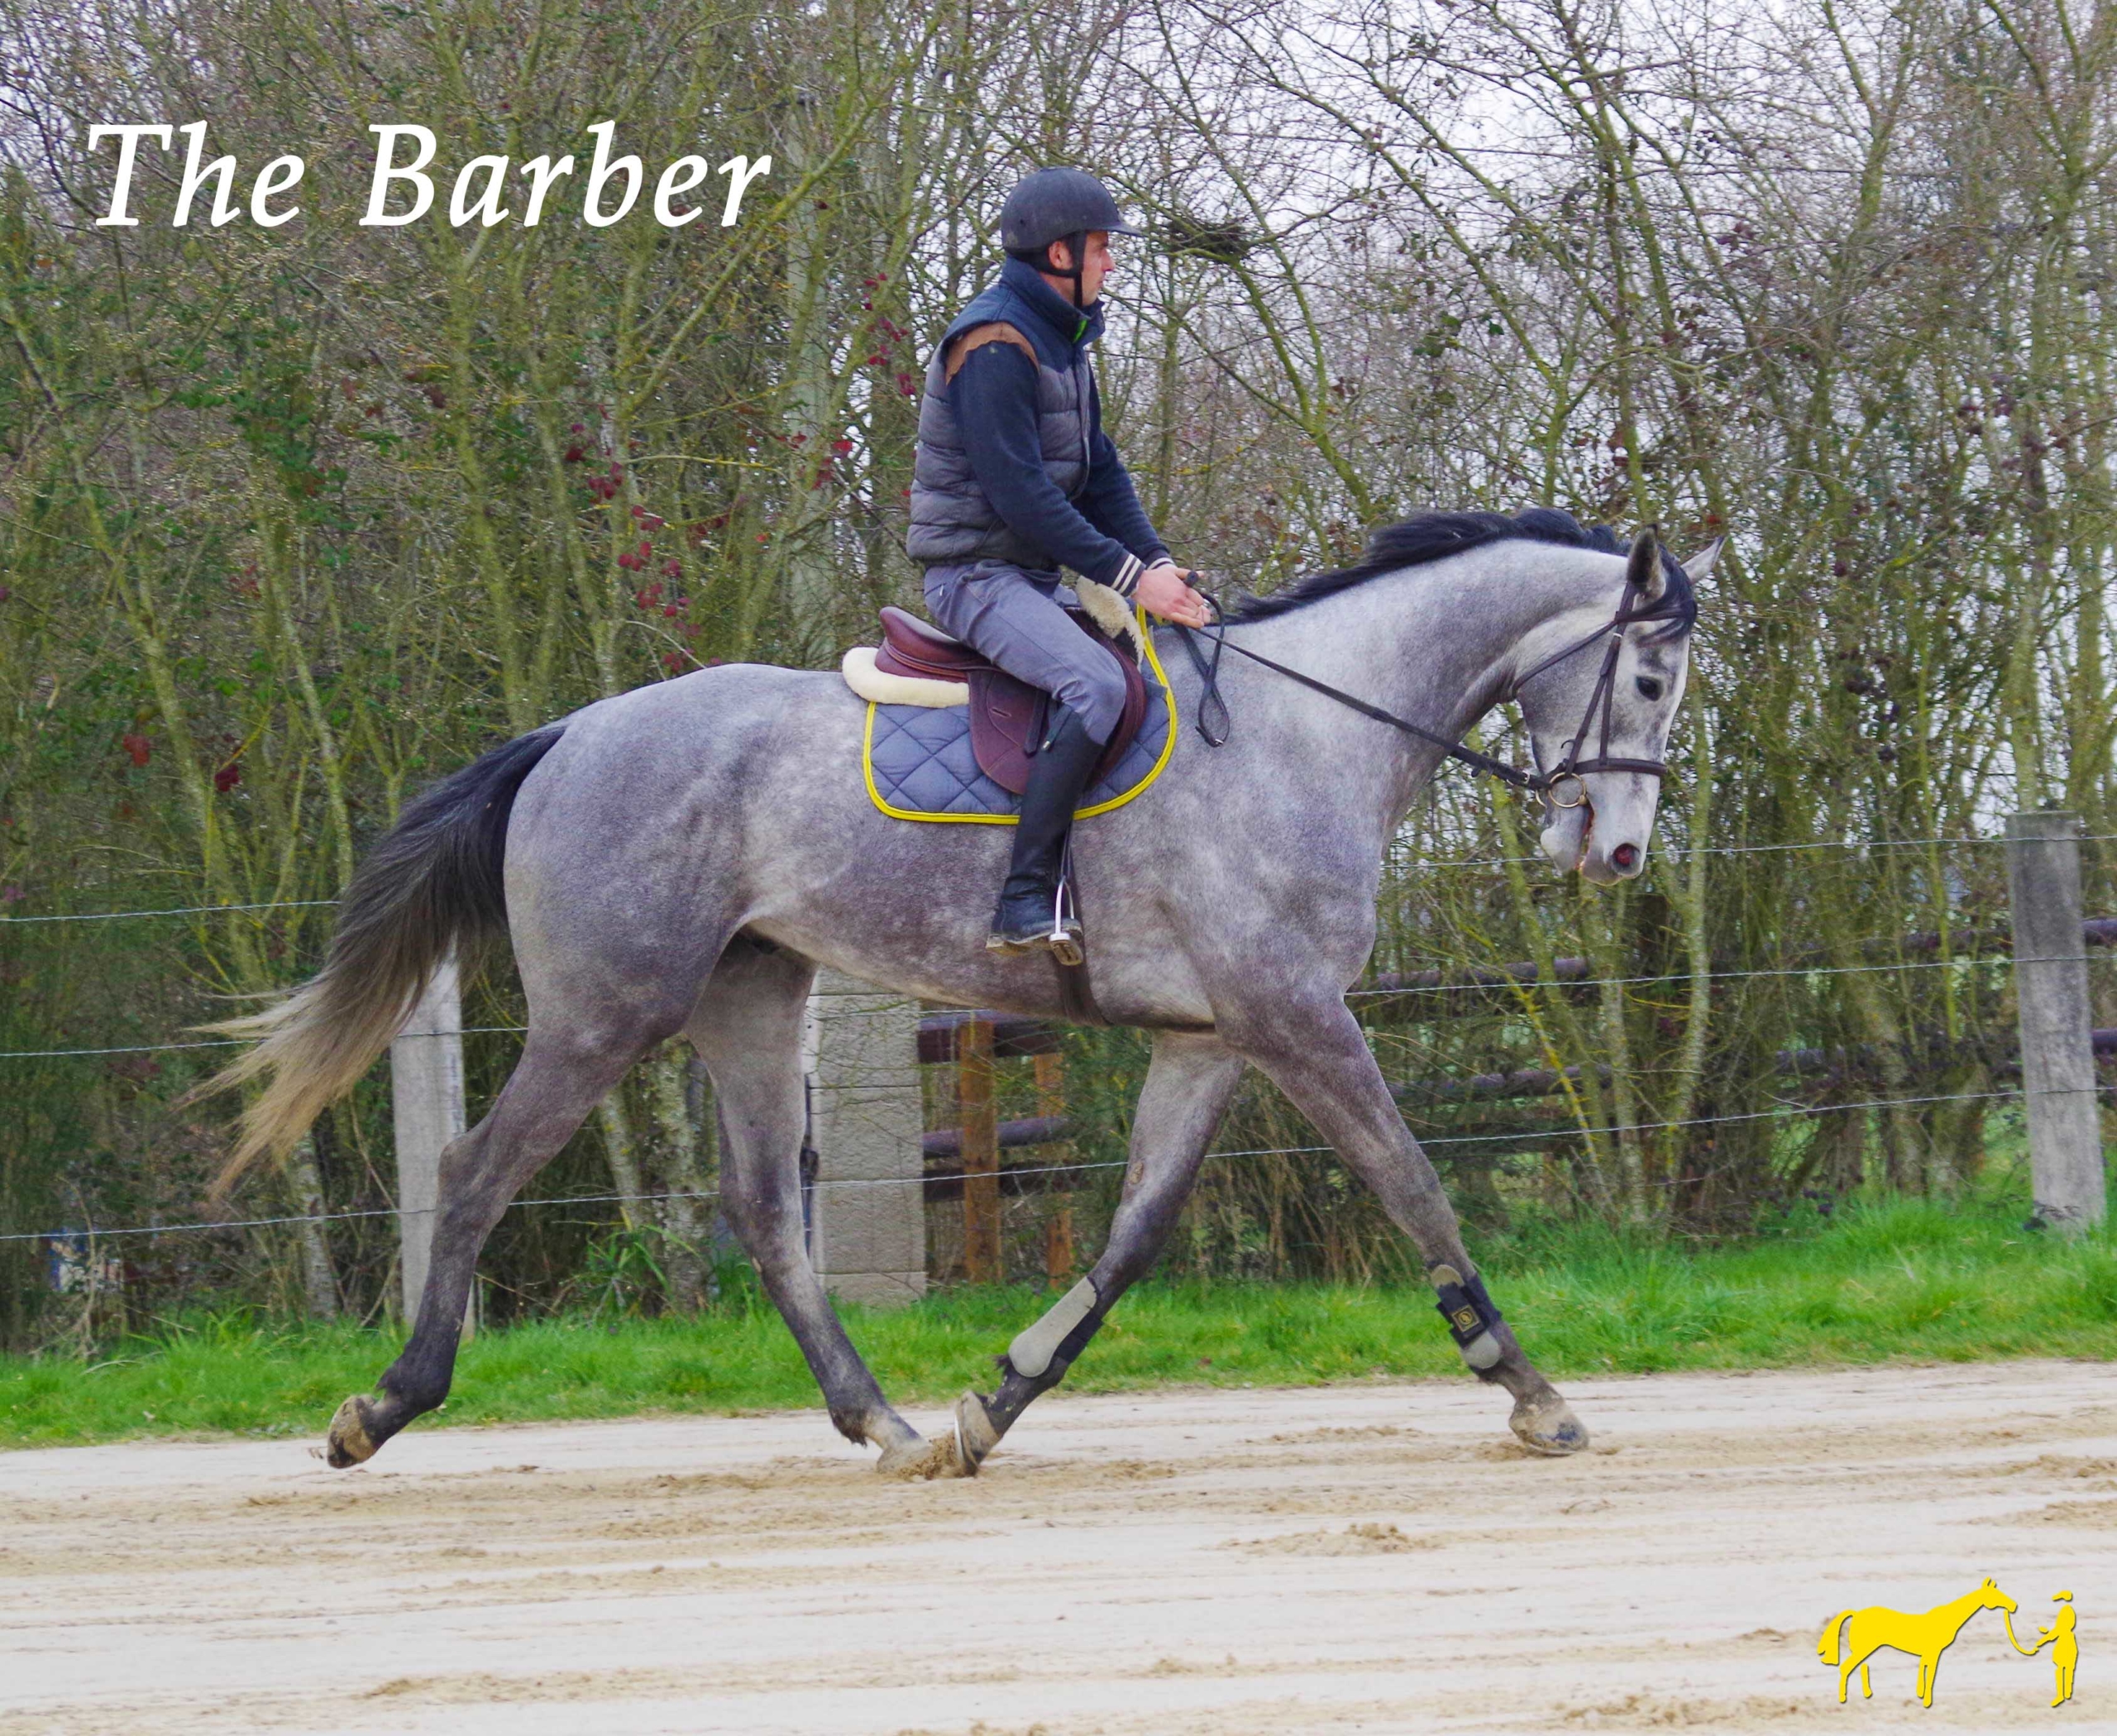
(1162, 592)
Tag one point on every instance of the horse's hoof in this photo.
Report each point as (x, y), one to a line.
(1547, 1425)
(348, 1443)
(975, 1435)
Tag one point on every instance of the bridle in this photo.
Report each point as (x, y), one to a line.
(1600, 699)
(1538, 782)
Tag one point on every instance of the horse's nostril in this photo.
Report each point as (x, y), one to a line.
(1625, 855)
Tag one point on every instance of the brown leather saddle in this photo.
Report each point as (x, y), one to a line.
(1007, 715)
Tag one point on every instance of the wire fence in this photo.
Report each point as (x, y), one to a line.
(1686, 977)
(1673, 853)
(1475, 986)
(1543, 1134)
(1485, 981)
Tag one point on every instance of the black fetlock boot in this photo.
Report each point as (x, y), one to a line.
(1029, 915)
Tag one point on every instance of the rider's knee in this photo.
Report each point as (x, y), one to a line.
(1099, 698)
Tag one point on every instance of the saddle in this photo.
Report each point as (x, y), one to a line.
(1007, 715)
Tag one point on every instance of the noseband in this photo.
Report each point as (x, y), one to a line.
(1539, 782)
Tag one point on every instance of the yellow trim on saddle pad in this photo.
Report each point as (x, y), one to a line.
(1168, 749)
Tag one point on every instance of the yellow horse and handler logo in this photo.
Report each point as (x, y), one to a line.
(1926, 1635)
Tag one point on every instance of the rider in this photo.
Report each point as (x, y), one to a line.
(1013, 476)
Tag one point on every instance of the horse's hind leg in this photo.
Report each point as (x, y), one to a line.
(748, 1030)
(557, 1082)
(1186, 1092)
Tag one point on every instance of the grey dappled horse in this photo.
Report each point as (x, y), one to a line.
(681, 858)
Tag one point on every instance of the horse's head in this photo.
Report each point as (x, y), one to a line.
(1990, 1596)
(1598, 821)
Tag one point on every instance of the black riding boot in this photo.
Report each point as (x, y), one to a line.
(1029, 915)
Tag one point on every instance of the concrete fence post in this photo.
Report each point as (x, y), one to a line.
(2057, 1051)
(426, 1091)
(867, 1202)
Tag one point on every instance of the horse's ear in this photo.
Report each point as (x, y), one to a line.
(1704, 561)
(1643, 570)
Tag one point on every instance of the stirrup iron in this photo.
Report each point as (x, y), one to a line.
(1064, 942)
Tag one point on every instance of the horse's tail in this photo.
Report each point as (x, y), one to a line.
(432, 881)
(1827, 1647)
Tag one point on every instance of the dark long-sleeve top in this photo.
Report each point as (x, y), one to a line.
(1104, 532)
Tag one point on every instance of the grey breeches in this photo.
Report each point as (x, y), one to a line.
(1011, 616)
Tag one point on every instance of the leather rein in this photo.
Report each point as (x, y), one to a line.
(1539, 782)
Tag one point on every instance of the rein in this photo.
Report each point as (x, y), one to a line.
(1538, 782)
(2026, 1650)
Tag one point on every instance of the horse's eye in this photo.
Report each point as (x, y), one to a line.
(1649, 688)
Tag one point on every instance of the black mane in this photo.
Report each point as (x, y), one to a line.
(1432, 536)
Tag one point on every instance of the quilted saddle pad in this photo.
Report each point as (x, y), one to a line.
(918, 765)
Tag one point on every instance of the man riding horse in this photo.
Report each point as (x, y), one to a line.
(1014, 478)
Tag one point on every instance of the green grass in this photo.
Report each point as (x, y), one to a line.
(1902, 1280)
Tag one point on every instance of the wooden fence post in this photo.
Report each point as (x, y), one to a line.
(1059, 1218)
(2058, 1051)
(980, 1150)
(426, 1092)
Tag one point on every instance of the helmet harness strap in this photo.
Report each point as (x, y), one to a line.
(1077, 245)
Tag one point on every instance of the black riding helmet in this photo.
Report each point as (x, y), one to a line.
(1055, 205)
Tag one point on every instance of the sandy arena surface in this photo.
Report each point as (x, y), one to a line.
(1368, 1557)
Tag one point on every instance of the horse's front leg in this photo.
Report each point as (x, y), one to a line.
(1187, 1091)
(1314, 1051)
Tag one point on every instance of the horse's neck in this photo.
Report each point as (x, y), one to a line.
(1436, 645)
(1959, 1610)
